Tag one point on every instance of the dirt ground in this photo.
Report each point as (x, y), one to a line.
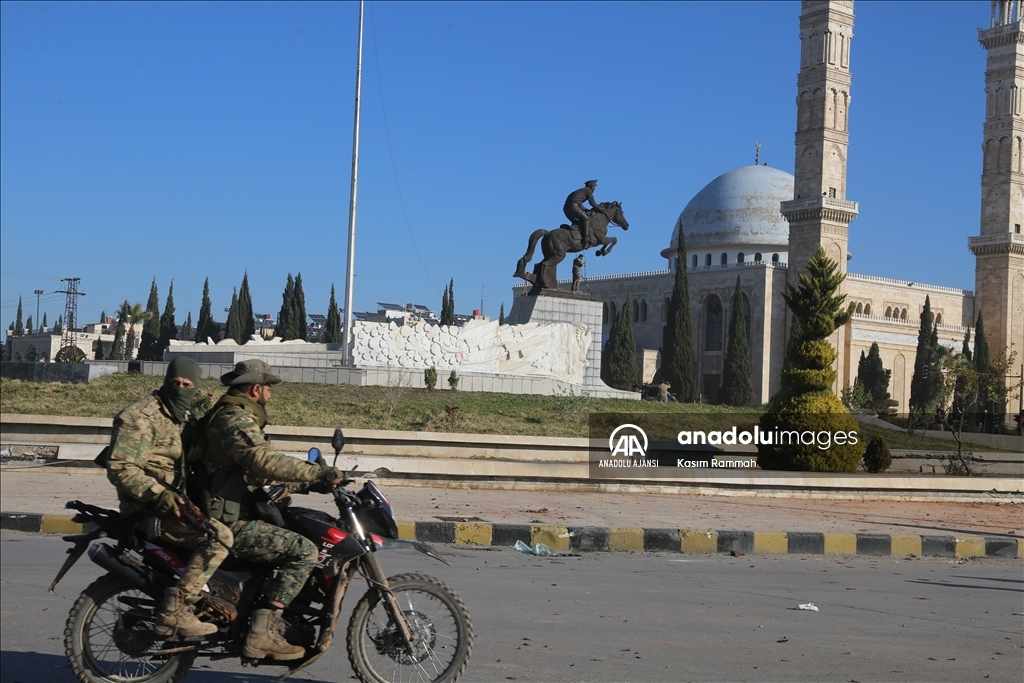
(45, 490)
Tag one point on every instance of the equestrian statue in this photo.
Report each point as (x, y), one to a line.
(587, 228)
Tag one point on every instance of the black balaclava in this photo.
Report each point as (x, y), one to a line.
(178, 400)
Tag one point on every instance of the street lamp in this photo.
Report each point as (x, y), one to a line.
(37, 293)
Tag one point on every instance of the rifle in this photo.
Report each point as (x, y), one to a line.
(191, 513)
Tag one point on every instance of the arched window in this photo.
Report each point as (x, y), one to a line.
(707, 260)
(867, 309)
(636, 311)
(757, 257)
(30, 354)
(903, 314)
(611, 312)
(739, 257)
(643, 310)
(775, 258)
(605, 320)
(694, 260)
(713, 316)
(860, 308)
(938, 318)
(888, 311)
(725, 259)
(664, 311)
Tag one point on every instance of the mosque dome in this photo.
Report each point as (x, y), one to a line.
(738, 208)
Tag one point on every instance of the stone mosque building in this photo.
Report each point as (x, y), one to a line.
(762, 224)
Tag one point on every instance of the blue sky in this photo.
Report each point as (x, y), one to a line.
(191, 140)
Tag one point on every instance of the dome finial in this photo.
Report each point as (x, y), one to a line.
(757, 152)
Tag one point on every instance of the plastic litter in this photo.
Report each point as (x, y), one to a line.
(539, 549)
(808, 606)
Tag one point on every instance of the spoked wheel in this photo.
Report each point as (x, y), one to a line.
(108, 635)
(442, 634)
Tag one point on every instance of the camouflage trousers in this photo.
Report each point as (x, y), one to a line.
(208, 552)
(292, 554)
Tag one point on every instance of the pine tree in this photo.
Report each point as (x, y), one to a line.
(168, 328)
(333, 331)
(234, 324)
(618, 360)
(285, 327)
(501, 314)
(43, 327)
(187, 333)
(736, 385)
(805, 401)
(19, 325)
(245, 317)
(205, 327)
(299, 310)
(678, 360)
(28, 325)
(149, 350)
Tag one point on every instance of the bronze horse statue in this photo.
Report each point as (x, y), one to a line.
(555, 244)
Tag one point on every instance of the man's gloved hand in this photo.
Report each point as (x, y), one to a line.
(330, 474)
(167, 502)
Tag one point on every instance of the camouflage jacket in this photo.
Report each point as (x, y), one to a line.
(145, 453)
(235, 446)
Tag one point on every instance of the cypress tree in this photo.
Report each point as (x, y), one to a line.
(618, 360)
(103, 316)
(168, 328)
(871, 373)
(921, 394)
(451, 301)
(149, 348)
(19, 324)
(187, 332)
(205, 327)
(501, 314)
(982, 354)
(966, 350)
(678, 360)
(285, 328)
(58, 328)
(99, 348)
(245, 317)
(333, 331)
(43, 327)
(299, 309)
(234, 324)
(28, 325)
(805, 401)
(736, 385)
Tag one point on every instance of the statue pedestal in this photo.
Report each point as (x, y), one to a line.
(577, 308)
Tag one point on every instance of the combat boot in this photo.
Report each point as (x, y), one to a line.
(175, 616)
(265, 640)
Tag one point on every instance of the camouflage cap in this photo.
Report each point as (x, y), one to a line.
(252, 371)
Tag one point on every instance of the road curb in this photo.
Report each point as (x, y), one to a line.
(637, 539)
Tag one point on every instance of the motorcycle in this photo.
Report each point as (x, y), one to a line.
(405, 627)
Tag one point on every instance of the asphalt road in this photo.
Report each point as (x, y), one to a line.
(636, 617)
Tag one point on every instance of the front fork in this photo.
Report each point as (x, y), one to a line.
(376, 574)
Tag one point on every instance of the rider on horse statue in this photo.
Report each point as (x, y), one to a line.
(579, 217)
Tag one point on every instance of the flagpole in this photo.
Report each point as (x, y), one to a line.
(351, 266)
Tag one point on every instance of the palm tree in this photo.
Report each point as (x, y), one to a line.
(131, 316)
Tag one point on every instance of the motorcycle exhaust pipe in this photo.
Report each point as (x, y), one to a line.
(142, 578)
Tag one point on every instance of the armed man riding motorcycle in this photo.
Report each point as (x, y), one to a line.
(237, 458)
(147, 466)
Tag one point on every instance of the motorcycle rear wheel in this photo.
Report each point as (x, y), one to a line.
(98, 620)
(435, 614)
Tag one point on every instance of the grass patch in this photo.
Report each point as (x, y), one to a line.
(402, 409)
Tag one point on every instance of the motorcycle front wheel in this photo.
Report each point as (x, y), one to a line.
(442, 634)
(108, 635)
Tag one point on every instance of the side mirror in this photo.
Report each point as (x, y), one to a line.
(314, 455)
(338, 440)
